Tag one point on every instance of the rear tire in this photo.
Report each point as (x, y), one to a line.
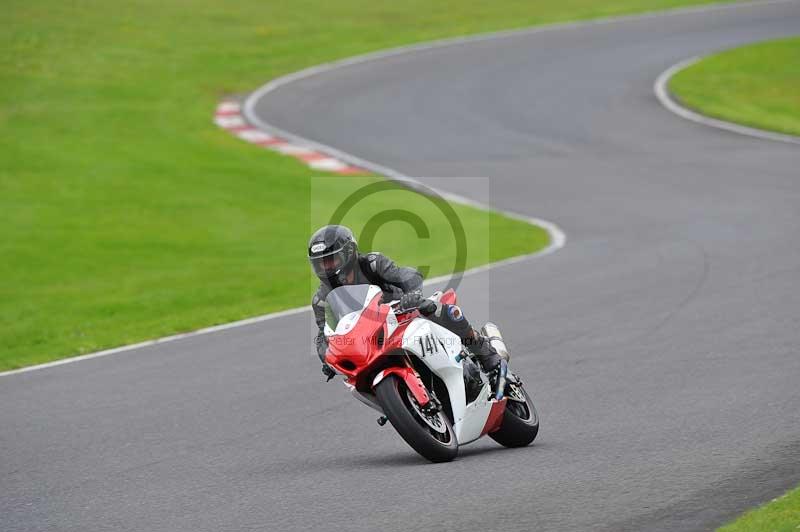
(520, 421)
(393, 396)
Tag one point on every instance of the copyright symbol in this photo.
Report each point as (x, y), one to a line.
(420, 227)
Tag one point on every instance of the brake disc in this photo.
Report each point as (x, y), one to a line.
(514, 393)
(434, 421)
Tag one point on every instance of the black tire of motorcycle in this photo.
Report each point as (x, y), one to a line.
(515, 431)
(390, 396)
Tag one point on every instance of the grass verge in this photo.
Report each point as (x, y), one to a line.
(126, 215)
(757, 85)
(780, 515)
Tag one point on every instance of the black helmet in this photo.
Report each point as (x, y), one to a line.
(333, 253)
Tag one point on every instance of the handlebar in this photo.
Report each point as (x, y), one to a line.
(395, 302)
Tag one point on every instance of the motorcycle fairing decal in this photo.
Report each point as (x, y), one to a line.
(433, 344)
(495, 418)
(441, 343)
(391, 324)
(455, 313)
(347, 323)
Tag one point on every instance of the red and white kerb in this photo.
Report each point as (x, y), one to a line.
(228, 116)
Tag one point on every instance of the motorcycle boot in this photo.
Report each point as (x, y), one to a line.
(451, 318)
(481, 346)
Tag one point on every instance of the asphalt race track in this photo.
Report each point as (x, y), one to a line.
(661, 343)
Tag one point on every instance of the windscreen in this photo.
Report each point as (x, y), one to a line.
(346, 300)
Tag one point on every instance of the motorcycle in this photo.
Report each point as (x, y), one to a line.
(420, 378)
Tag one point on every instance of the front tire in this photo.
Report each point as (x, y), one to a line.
(434, 439)
(520, 420)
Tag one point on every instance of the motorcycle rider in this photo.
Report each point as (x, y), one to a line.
(336, 261)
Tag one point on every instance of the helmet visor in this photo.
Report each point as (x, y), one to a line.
(331, 264)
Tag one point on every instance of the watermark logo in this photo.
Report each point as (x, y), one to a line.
(423, 230)
(407, 216)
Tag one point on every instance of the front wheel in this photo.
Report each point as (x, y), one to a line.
(520, 420)
(431, 435)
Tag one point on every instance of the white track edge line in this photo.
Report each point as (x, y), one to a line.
(661, 89)
(464, 39)
(558, 238)
(247, 108)
(165, 339)
(265, 317)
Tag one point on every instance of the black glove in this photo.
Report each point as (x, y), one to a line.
(427, 307)
(395, 294)
(328, 372)
(410, 300)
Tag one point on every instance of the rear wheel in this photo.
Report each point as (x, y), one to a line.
(520, 420)
(431, 435)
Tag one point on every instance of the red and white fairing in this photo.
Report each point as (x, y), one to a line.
(352, 352)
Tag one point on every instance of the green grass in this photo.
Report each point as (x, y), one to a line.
(125, 214)
(756, 85)
(780, 515)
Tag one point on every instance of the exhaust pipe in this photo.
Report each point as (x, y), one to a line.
(491, 331)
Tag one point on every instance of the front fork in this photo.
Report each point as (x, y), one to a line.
(502, 380)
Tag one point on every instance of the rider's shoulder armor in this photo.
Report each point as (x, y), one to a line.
(373, 265)
(372, 260)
